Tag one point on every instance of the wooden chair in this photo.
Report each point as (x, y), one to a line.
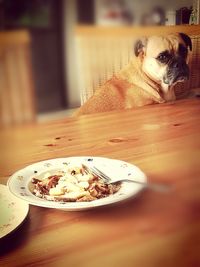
(17, 104)
(103, 51)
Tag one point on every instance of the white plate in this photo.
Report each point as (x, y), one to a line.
(18, 182)
(12, 209)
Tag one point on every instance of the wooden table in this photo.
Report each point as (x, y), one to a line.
(151, 230)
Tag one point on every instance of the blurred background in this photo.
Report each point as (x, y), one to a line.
(38, 67)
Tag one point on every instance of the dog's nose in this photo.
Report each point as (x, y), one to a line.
(177, 70)
(179, 63)
(176, 65)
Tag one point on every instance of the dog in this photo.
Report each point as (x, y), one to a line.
(159, 63)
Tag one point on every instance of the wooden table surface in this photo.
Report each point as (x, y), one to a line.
(151, 230)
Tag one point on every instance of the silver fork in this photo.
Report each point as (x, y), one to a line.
(107, 180)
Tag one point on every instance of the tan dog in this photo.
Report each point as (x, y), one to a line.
(160, 62)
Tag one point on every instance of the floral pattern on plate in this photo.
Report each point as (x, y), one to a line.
(12, 209)
(111, 167)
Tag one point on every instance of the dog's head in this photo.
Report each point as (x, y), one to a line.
(165, 58)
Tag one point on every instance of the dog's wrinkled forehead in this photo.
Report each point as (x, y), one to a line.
(173, 44)
(170, 43)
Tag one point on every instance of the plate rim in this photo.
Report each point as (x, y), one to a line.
(73, 205)
(26, 207)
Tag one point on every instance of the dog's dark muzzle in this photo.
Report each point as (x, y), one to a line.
(177, 70)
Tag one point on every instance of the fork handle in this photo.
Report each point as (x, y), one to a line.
(153, 186)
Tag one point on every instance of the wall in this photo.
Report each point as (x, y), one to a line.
(138, 7)
(69, 21)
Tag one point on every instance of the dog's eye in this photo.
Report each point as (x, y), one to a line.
(163, 58)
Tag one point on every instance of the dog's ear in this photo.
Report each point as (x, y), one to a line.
(186, 39)
(139, 46)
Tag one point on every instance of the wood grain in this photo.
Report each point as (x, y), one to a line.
(17, 102)
(136, 30)
(17, 37)
(151, 230)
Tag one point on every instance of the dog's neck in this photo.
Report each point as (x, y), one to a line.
(162, 92)
(134, 74)
(168, 92)
(165, 90)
